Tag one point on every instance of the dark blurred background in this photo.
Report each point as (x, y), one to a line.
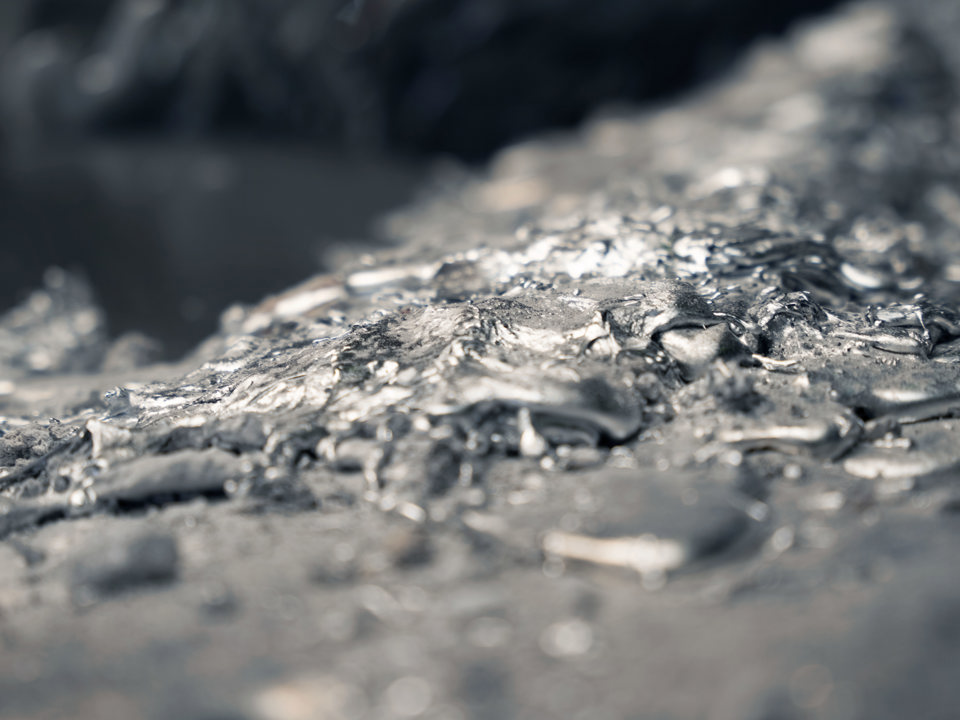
(186, 154)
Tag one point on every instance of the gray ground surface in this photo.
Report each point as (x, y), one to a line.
(651, 422)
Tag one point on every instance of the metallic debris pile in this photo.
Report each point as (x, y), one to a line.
(714, 346)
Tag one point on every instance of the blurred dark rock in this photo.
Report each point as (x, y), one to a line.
(141, 561)
(457, 76)
(466, 77)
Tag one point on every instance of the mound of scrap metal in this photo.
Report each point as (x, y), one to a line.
(658, 419)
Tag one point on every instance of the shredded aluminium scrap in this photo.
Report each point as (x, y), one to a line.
(654, 421)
